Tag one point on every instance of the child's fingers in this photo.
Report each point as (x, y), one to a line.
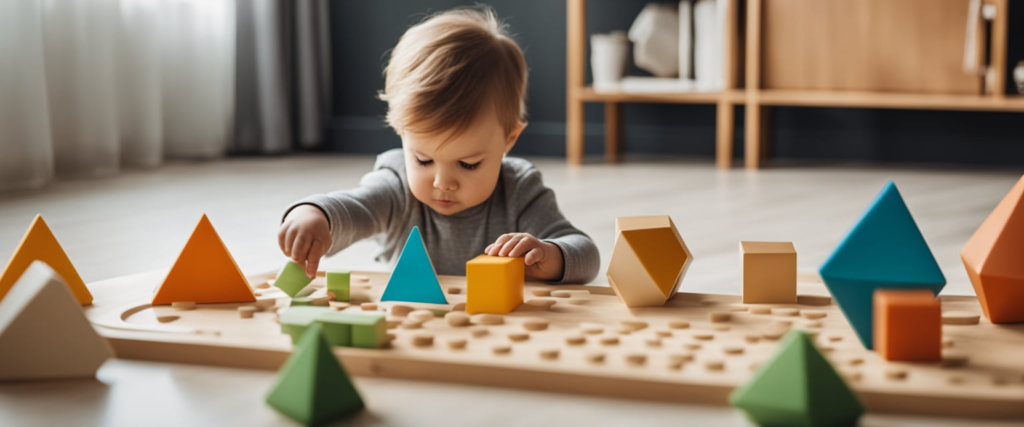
(496, 246)
(316, 251)
(311, 266)
(524, 246)
(289, 240)
(280, 239)
(300, 249)
(507, 247)
(534, 256)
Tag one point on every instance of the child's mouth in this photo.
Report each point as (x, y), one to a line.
(445, 203)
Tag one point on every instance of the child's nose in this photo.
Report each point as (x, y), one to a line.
(444, 183)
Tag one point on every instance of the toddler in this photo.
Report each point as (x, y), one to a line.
(455, 87)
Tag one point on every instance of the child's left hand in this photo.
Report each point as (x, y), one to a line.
(543, 260)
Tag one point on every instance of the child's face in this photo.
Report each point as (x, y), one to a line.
(461, 173)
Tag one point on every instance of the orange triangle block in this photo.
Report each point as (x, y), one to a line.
(205, 272)
(994, 262)
(40, 245)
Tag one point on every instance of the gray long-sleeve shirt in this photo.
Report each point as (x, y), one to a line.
(384, 208)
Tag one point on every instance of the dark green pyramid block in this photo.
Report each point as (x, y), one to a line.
(312, 386)
(798, 387)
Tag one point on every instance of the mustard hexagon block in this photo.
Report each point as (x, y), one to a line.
(494, 284)
(649, 260)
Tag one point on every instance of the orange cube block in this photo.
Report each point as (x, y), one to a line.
(908, 325)
(494, 284)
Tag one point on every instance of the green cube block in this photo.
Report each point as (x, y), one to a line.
(295, 320)
(356, 329)
(339, 282)
(292, 279)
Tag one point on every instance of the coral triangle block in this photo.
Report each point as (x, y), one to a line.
(884, 250)
(994, 258)
(414, 278)
(205, 272)
(39, 244)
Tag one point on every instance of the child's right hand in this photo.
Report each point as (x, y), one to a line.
(305, 237)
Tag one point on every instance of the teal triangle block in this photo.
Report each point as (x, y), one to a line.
(884, 250)
(312, 386)
(414, 279)
(797, 387)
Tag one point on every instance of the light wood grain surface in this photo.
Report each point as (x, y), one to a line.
(138, 221)
(910, 46)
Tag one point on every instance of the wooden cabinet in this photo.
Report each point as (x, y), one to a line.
(901, 54)
(903, 46)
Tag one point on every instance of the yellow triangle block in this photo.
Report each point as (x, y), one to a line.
(205, 272)
(40, 245)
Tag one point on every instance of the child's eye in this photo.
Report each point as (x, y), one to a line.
(468, 166)
(424, 162)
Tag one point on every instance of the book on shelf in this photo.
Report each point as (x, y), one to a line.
(685, 40)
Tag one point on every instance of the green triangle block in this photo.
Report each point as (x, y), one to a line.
(798, 387)
(312, 386)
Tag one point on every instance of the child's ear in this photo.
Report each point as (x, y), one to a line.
(514, 136)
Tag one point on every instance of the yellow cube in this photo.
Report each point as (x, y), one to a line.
(494, 284)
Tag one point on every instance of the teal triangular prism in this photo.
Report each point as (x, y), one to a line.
(797, 387)
(885, 249)
(312, 387)
(414, 279)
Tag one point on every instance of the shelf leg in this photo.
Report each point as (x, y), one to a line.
(724, 135)
(752, 136)
(612, 131)
(576, 52)
(766, 141)
(575, 137)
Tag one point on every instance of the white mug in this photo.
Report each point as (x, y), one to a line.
(609, 54)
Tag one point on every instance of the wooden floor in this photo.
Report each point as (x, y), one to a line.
(138, 221)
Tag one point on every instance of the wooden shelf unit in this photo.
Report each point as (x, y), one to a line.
(910, 101)
(578, 93)
(756, 100)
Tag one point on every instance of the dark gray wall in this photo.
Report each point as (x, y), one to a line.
(364, 31)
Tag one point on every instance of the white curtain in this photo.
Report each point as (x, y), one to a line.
(88, 87)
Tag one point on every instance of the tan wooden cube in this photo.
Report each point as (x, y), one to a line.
(768, 272)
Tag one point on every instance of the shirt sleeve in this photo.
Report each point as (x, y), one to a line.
(539, 215)
(361, 212)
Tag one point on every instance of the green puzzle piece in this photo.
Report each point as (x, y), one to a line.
(295, 320)
(340, 328)
(313, 387)
(339, 283)
(292, 279)
(363, 330)
(798, 387)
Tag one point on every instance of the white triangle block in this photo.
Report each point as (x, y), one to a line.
(43, 331)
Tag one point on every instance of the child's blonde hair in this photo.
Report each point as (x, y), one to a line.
(451, 67)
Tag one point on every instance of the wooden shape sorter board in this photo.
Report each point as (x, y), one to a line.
(582, 339)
